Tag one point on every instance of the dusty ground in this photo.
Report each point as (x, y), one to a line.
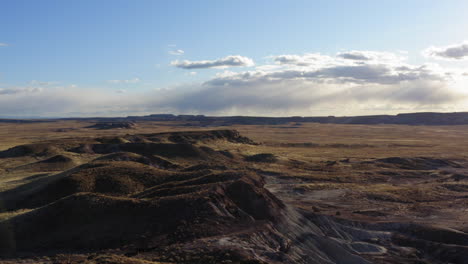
(386, 193)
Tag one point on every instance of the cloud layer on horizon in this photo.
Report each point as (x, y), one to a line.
(349, 83)
(304, 83)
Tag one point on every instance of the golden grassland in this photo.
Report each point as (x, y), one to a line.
(333, 140)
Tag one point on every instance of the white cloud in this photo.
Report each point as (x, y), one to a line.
(20, 90)
(451, 52)
(302, 60)
(353, 56)
(378, 69)
(229, 61)
(310, 84)
(371, 56)
(41, 83)
(134, 80)
(299, 83)
(342, 58)
(3, 44)
(177, 52)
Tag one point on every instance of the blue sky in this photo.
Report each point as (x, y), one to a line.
(124, 53)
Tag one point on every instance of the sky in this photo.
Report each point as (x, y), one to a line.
(258, 57)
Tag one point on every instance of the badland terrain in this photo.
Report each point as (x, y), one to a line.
(195, 189)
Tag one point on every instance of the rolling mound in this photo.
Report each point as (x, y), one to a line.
(96, 221)
(203, 136)
(125, 156)
(417, 163)
(151, 160)
(134, 196)
(201, 197)
(54, 163)
(115, 178)
(186, 137)
(44, 149)
(167, 150)
(113, 140)
(113, 125)
(262, 157)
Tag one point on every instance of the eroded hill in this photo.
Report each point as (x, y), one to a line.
(218, 197)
